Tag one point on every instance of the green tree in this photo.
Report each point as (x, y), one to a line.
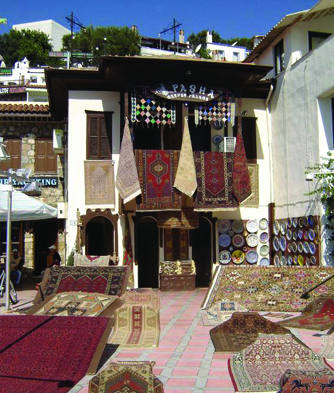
(103, 41)
(33, 45)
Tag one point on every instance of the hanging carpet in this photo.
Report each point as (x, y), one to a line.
(176, 244)
(156, 171)
(268, 288)
(91, 260)
(318, 315)
(259, 367)
(184, 219)
(48, 354)
(99, 183)
(127, 251)
(241, 330)
(297, 381)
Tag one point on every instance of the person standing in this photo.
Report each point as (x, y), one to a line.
(53, 257)
(16, 266)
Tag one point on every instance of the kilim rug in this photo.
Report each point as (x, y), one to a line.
(327, 346)
(127, 182)
(214, 181)
(125, 377)
(307, 381)
(90, 260)
(278, 315)
(127, 251)
(142, 296)
(318, 315)
(176, 244)
(109, 280)
(268, 288)
(259, 367)
(99, 183)
(184, 219)
(241, 330)
(220, 312)
(136, 326)
(156, 172)
(48, 354)
(77, 304)
(253, 199)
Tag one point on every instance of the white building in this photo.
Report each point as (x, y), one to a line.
(54, 30)
(224, 51)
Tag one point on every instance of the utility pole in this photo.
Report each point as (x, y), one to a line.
(174, 26)
(74, 22)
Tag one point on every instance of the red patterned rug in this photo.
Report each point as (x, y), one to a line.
(49, 354)
(156, 171)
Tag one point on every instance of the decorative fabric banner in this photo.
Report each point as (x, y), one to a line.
(136, 326)
(318, 315)
(127, 251)
(217, 110)
(259, 367)
(268, 288)
(185, 180)
(48, 354)
(176, 244)
(90, 260)
(99, 183)
(241, 180)
(156, 170)
(300, 381)
(184, 219)
(214, 181)
(253, 199)
(127, 182)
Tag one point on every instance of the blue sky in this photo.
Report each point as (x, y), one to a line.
(242, 18)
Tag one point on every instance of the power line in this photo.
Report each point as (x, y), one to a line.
(174, 26)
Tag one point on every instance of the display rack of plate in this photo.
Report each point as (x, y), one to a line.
(239, 242)
(296, 241)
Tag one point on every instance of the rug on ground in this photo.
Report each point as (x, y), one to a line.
(296, 381)
(260, 366)
(142, 296)
(268, 288)
(220, 312)
(48, 354)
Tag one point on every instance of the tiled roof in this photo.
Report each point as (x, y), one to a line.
(24, 109)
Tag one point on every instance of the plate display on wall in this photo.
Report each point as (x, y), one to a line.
(289, 260)
(238, 257)
(277, 260)
(252, 240)
(295, 222)
(223, 226)
(264, 251)
(238, 240)
(289, 234)
(295, 260)
(312, 248)
(252, 226)
(300, 234)
(305, 220)
(311, 220)
(230, 233)
(311, 234)
(283, 261)
(224, 240)
(264, 262)
(282, 243)
(294, 235)
(300, 260)
(224, 257)
(306, 247)
(288, 247)
(307, 261)
(300, 247)
(276, 243)
(301, 222)
(289, 222)
(283, 227)
(251, 257)
(313, 260)
(263, 224)
(276, 227)
(238, 226)
(305, 235)
(294, 247)
(264, 237)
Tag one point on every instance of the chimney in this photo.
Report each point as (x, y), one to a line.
(256, 39)
(134, 28)
(208, 37)
(181, 37)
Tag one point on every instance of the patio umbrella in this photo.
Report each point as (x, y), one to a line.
(24, 207)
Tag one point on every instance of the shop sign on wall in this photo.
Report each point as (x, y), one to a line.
(11, 90)
(5, 71)
(195, 92)
(43, 181)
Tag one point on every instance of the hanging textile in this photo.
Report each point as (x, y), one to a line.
(127, 182)
(99, 183)
(241, 180)
(156, 171)
(127, 252)
(214, 181)
(185, 180)
(218, 110)
(176, 244)
(184, 219)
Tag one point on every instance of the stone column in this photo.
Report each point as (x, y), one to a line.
(29, 250)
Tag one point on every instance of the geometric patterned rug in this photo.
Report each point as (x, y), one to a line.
(260, 366)
(268, 288)
(142, 296)
(77, 304)
(220, 312)
(136, 326)
(90, 260)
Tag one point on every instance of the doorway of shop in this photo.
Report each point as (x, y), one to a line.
(202, 252)
(46, 233)
(99, 237)
(147, 242)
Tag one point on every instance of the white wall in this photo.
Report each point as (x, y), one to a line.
(228, 51)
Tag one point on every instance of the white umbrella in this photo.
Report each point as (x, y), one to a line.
(24, 207)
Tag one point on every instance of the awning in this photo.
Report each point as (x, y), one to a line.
(24, 207)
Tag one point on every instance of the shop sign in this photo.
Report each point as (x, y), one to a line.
(195, 92)
(5, 71)
(11, 90)
(43, 181)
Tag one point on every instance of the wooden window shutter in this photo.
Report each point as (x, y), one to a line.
(99, 135)
(45, 159)
(14, 147)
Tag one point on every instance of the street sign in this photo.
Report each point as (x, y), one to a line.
(58, 54)
(3, 21)
(5, 71)
(82, 55)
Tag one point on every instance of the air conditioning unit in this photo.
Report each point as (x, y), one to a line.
(227, 145)
(62, 210)
(58, 147)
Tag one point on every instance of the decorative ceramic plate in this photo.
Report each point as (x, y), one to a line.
(289, 260)
(289, 221)
(300, 247)
(224, 257)
(294, 235)
(263, 224)
(311, 220)
(295, 222)
(252, 226)
(282, 243)
(313, 260)
(230, 233)
(283, 261)
(264, 251)
(264, 237)
(307, 261)
(312, 248)
(277, 260)
(252, 240)
(276, 243)
(305, 220)
(301, 222)
(295, 260)
(311, 234)
(305, 235)
(289, 234)
(264, 262)
(224, 240)
(294, 247)
(288, 247)
(238, 226)
(238, 257)
(276, 227)
(238, 240)
(300, 260)
(223, 226)
(283, 227)
(306, 247)
(300, 234)
(251, 257)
